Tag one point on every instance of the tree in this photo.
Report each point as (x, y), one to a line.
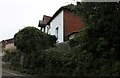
(31, 39)
(98, 46)
(32, 42)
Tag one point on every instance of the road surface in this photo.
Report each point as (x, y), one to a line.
(7, 73)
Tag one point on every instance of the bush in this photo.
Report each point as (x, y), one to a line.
(31, 42)
(8, 56)
(97, 47)
(58, 62)
(13, 59)
(31, 39)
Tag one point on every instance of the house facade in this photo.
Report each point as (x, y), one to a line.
(56, 26)
(8, 45)
(43, 23)
(64, 24)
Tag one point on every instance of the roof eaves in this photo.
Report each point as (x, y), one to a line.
(57, 12)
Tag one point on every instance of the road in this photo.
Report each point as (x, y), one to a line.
(7, 73)
(14, 75)
(10, 74)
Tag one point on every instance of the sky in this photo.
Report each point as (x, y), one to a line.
(17, 14)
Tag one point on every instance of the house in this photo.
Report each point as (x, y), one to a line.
(64, 24)
(8, 45)
(43, 24)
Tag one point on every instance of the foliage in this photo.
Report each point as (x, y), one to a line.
(32, 39)
(31, 42)
(12, 59)
(98, 43)
(8, 56)
(95, 52)
(58, 61)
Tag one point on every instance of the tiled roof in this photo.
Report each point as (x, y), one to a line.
(44, 21)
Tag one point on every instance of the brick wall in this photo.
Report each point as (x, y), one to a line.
(72, 23)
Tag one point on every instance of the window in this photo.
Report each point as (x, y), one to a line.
(56, 32)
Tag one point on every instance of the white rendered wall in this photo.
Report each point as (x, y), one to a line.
(57, 22)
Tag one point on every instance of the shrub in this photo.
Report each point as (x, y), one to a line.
(31, 39)
(12, 59)
(97, 48)
(58, 62)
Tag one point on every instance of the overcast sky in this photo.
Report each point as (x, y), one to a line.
(17, 14)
